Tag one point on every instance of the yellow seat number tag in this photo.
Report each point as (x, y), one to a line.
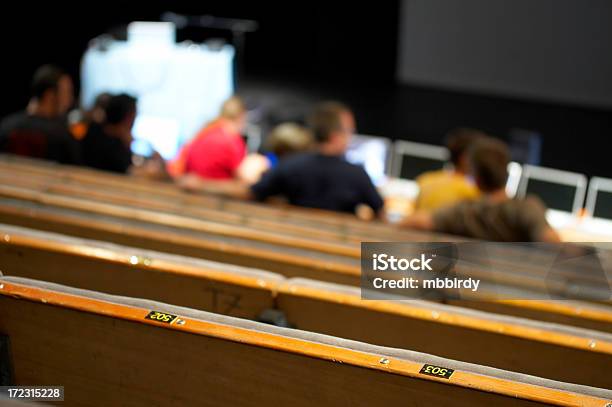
(161, 317)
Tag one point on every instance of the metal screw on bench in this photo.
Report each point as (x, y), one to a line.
(180, 322)
(1, 286)
(592, 345)
(384, 361)
(7, 238)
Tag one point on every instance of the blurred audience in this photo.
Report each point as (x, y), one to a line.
(445, 187)
(323, 178)
(80, 120)
(494, 216)
(41, 131)
(106, 145)
(287, 139)
(306, 167)
(284, 140)
(218, 149)
(320, 179)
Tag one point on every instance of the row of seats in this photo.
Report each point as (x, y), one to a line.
(112, 350)
(516, 344)
(289, 263)
(335, 250)
(139, 347)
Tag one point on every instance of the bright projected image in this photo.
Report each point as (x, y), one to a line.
(179, 86)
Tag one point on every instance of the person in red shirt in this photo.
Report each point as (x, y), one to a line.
(218, 149)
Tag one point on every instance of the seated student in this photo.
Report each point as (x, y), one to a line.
(494, 216)
(287, 139)
(283, 141)
(320, 179)
(79, 125)
(218, 149)
(106, 145)
(442, 188)
(41, 131)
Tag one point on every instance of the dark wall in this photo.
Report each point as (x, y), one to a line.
(332, 49)
(574, 138)
(318, 41)
(552, 50)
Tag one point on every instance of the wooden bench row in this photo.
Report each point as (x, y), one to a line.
(342, 222)
(140, 234)
(527, 277)
(544, 349)
(506, 262)
(109, 350)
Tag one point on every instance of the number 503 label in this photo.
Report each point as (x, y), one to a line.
(437, 371)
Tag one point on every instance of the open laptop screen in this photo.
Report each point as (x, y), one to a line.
(413, 166)
(554, 195)
(603, 205)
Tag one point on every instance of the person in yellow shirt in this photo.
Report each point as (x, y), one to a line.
(445, 187)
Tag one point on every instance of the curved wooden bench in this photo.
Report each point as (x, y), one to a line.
(502, 259)
(66, 180)
(101, 178)
(200, 284)
(148, 201)
(564, 312)
(178, 221)
(290, 263)
(333, 221)
(64, 258)
(511, 277)
(206, 359)
(570, 312)
(132, 271)
(543, 349)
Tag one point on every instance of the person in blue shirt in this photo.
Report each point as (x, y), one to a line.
(320, 179)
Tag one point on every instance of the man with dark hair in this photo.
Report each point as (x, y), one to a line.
(323, 179)
(320, 179)
(41, 131)
(106, 146)
(442, 188)
(493, 217)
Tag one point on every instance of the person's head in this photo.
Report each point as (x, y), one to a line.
(458, 142)
(52, 91)
(234, 110)
(489, 158)
(120, 113)
(289, 138)
(332, 125)
(97, 113)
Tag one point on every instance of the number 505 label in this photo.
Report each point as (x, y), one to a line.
(437, 371)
